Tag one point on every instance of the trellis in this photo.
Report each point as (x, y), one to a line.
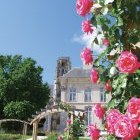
(43, 114)
(16, 120)
(35, 121)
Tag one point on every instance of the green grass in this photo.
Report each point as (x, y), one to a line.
(82, 138)
(12, 137)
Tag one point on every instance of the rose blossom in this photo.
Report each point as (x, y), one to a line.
(60, 137)
(99, 111)
(127, 62)
(94, 132)
(86, 56)
(87, 26)
(105, 42)
(69, 121)
(133, 109)
(111, 120)
(125, 128)
(108, 86)
(94, 76)
(83, 6)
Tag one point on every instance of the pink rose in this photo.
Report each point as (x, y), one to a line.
(105, 42)
(108, 86)
(127, 62)
(125, 128)
(86, 56)
(69, 121)
(60, 137)
(94, 132)
(83, 6)
(87, 26)
(133, 109)
(111, 120)
(99, 111)
(94, 76)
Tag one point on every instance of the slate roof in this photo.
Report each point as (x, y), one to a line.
(78, 73)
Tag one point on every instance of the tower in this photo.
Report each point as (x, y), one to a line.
(63, 66)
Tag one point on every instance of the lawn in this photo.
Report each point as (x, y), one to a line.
(82, 138)
(12, 137)
(19, 137)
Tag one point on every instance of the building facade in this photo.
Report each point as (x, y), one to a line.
(73, 86)
(78, 91)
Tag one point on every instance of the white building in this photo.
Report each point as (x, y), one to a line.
(73, 86)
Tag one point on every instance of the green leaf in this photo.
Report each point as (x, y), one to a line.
(110, 137)
(119, 21)
(111, 103)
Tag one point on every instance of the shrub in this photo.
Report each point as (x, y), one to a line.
(52, 136)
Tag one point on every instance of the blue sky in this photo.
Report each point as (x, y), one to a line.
(41, 29)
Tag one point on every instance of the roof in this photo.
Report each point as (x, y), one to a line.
(78, 73)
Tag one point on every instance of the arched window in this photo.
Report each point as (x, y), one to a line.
(72, 95)
(102, 95)
(87, 95)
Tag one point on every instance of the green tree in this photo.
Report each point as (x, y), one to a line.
(22, 91)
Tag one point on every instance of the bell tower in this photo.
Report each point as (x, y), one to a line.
(63, 66)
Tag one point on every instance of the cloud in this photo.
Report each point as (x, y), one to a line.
(87, 41)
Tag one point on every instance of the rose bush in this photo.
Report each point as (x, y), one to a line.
(87, 26)
(111, 120)
(133, 109)
(86, 56)
(105, 42)
(83, 6)
(108, 86)
(114, 25)
(125, 128)
(69, 121)
(94, 132)
(98, 110)
(128, 62)
(94, 76)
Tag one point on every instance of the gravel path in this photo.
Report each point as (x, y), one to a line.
(39, 138)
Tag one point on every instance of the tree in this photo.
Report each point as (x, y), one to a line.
(22, 91)
(117, 27)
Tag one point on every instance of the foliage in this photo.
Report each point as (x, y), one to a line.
(65, 106)
(19, 110)
(22, 91)
(121, 28)
(118, 23)
(110, 137)
(77, 128)
(52, 136)
(84, 138)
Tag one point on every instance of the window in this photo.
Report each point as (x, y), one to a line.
(102, 95)
(87, 96)
(72, 95)
(88, 116)
(63, 71)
